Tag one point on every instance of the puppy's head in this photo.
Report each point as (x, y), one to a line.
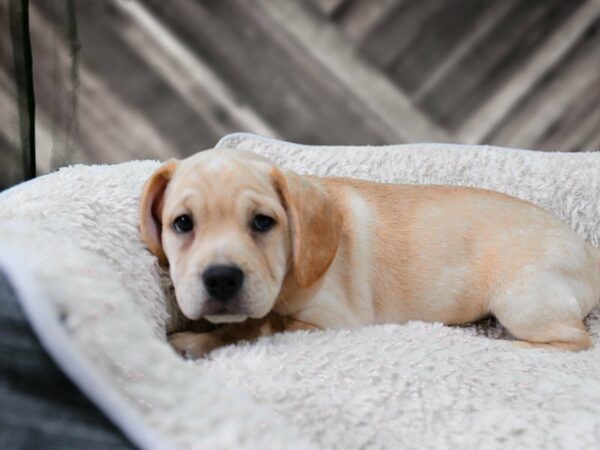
(231, 226)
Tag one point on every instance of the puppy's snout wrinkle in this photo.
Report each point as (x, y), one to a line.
(223, 282)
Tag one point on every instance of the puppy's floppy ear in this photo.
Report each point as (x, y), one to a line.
(151, 208)
(315, 223)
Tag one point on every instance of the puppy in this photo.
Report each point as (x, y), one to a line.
(264, 250)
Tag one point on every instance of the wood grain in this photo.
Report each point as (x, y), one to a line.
(123, 79)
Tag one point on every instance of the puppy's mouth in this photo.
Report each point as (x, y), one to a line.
(226, 318)
(217, 312)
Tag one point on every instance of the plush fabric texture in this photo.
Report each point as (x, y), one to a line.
(416, 385)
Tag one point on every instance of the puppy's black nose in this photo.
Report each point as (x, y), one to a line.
(223, 282)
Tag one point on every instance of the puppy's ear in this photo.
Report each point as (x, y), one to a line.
(151, 208)
(315, 223)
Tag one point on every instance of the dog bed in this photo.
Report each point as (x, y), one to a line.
(101, 306)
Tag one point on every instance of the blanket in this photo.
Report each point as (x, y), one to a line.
(70, 245)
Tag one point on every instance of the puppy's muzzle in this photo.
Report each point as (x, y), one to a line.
(223, 282)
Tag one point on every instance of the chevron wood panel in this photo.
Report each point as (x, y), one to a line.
(123, 79)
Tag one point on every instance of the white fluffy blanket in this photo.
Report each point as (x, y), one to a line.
(70, 243)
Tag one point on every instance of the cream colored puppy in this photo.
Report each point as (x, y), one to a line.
(267, 250)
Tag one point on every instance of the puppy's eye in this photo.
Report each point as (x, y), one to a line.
(262, 223)
(183, 224)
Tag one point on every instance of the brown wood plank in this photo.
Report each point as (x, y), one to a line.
(492, 62)
(288, 88)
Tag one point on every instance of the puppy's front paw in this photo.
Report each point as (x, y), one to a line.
(193, 345)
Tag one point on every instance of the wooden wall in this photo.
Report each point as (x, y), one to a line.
(123, 79)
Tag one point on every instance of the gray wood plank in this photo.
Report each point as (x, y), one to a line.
(494, 60)
(11, 166)
(261, 61)
(444, 34)
(10, 148)
(329, 7)
(548, 117)
(550, 56)
(11, 170)
(396, 31)
(579, 125)
(109, 130)
(194, 81)
(592, 142)
(381, 99)
(361, 16)
(174, 78)
(6, 56)
(129, 77)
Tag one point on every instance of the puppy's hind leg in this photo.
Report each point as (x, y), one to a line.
(560, 337)
(545, 311)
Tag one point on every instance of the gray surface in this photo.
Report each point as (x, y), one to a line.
(39, 407)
